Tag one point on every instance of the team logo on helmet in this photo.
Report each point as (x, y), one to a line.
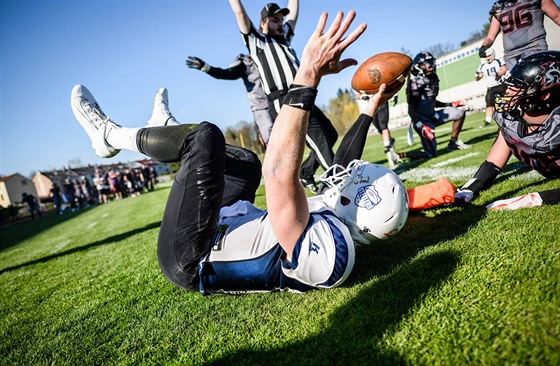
(552, 75)
(367, 197)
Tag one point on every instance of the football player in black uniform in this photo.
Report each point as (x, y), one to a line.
(522, 25)
(426, 112)
(528, 117)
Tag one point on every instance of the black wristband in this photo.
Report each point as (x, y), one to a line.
(550, 197)
(483, 178)
(302, 97)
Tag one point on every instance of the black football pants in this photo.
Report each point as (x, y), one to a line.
(212, 175)
(320, 138)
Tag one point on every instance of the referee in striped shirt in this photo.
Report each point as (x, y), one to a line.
(270, 47)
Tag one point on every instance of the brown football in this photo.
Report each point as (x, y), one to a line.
(389, 68)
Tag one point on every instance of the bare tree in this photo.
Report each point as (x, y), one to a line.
(475, 36)
(439, 49)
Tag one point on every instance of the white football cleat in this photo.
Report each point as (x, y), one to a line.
(393, 158)
(160, 114)
(93, 120)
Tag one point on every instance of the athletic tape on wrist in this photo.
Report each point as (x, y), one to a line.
(301, 97)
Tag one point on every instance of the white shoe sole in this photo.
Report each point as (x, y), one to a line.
(96, 133)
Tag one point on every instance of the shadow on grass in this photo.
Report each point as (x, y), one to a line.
(109, 240)
(15, 233)
(18, 232)
(354, 332)
(422, 230)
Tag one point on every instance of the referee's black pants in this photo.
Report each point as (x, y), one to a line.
(212, 175)
(320, 138)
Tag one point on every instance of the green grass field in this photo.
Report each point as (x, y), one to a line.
(458, 286)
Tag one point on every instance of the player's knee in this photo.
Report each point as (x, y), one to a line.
(209, 139)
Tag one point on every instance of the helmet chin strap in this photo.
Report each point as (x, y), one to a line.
(528, 124)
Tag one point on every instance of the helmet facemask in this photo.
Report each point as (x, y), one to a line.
(537, 80)
(511, 104)
(424, 64)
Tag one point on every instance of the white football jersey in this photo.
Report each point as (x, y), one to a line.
(246, 256)
(490, 71)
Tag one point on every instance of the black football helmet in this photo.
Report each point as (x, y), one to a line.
(535, 76)
(423, 64)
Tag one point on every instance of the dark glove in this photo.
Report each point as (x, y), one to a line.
(482, 51)
(465, 195)
(195, 63)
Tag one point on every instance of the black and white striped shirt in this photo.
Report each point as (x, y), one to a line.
(277, 62)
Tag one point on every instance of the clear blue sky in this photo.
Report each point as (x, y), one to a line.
(124, 50)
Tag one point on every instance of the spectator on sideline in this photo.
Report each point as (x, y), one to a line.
(32, 204)
(56, 194)
(101, 183)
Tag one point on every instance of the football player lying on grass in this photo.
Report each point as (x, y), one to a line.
(212, 239)
(528, 116)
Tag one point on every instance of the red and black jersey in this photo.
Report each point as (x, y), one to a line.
(539, 149)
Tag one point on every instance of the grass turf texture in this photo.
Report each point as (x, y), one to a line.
(457, 286)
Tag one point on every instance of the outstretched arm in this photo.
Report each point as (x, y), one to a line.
(352, 144)
(493, 32)
(291, 18)
(285, 196)
(243, 20)
(551, 10)
(500, 152)
(234, 72)
(497, 158)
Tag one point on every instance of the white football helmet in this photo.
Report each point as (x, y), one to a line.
(490, 55)
(369, 198)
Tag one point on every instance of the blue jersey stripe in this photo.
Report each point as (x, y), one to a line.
(342, 255)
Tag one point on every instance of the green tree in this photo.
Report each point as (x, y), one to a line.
(244, 134)
(342, 110)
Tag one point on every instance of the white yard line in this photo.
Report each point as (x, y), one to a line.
(454, 160)
(434, 173)
(444, 169)
(60, 246)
